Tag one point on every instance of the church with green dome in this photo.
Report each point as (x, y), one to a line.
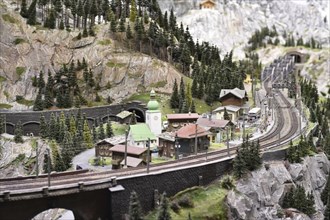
(153, 115)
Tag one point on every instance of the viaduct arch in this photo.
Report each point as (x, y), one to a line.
(31, 124)
(104, 198)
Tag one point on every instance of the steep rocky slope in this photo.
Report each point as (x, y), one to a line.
(259, 195)
(25, 50)
(232, 22)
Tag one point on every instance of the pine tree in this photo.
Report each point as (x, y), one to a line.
(175, 96)
(325, 192)
(113, 24)
(43, 127)
(38, 103)
(194, 88)
(109, 129)
(2, 124)
(188, 96)
(193, 107)
(288, 199)
(32, 13)
(133, 12)
(327, 209)
(164, 212)
(23, 11)
(52, 127)
(58, 161)
(88, 139)
(134, 212)
(18, 138)
(239, 165)
(101, 132)
(226, 115)
(67, 151)
(45, 167)
(129, 34)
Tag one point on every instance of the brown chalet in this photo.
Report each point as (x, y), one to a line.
(177, 121)
(102, 148)
(207, 4)
(136, 156)
(236, 97)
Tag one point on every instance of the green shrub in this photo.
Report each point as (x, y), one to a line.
(175, 206)
(186, 202)
(19, 71)
(8, 18)
(227, 182)
(18, 41)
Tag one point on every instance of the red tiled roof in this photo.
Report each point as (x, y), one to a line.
(213, 123)
(130, 150)
(189, 131)
(182, 116)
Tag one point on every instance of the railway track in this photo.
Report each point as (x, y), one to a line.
(286, 118)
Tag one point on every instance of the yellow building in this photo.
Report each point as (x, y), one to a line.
(207, 4)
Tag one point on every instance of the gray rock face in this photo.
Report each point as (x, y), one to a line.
(260, 195)
(125, 71)
(232, 22)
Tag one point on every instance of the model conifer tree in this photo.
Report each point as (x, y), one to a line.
(18, 138)
(134, 212)
(43, 127)
(175, 96)
(2, 124)
(164, 211)
(109, 129)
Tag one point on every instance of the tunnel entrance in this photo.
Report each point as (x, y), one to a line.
(297, 58)
(138, 113)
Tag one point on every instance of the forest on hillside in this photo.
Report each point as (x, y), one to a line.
(140, 26)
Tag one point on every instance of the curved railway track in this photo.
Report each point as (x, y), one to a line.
(285, 117)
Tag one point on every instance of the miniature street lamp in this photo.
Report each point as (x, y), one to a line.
(48, 165)
(177, 146)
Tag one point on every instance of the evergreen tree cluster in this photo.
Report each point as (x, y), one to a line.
(297, 198)
(18, 133)
(319, 113)
(135, 210)
(312, 43)
(295, 153)
(257, 40)
(325, 197)
(63, 90)
(72, 134)
(247, 158)
(2, 124)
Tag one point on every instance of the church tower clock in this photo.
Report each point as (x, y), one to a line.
(153, 115)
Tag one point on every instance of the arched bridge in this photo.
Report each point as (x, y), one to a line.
(31, 119)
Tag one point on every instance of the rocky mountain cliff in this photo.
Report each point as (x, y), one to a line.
(25, 50)
(259, 196)
(232, 22)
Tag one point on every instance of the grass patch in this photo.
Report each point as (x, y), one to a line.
(19, 71)
(6, 106)
(18, 41)
(208, 203)
(2, 79)
(97, 161)
(24, 101)
(142, 97)
(104, 42)
(159, 84)
(113, 64)
(8, 18)
(118, 129)
(216, 146)
(158, 160)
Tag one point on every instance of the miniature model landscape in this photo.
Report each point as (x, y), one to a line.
(164, 109)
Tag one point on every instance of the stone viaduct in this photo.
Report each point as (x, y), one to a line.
(30, 119)
(108, 198)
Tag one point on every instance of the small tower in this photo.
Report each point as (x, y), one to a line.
(153, 115)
